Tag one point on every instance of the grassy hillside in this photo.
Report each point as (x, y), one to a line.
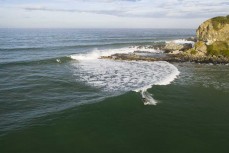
(219, 22)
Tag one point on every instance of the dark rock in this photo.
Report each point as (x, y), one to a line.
(171, 47)
(138, 51)
(186, 46)
(159, 46)
(169, 58)
(194, 39)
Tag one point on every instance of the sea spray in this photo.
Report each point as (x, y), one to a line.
(148, 98)
(95, 54)
(181, 41)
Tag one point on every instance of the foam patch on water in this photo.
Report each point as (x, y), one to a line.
(120, 76)
(117, 77)
(182, 41)
(95, 54)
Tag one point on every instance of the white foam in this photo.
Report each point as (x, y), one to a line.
(119, 76)
(182, 41)
(95, 54)
(58, 61)
(146, 49)
(148, 98)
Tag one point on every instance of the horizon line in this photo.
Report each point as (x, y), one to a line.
(84, 28)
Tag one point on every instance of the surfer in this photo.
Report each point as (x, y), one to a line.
(147, 98)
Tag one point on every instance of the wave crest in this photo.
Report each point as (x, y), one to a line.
(95, 54)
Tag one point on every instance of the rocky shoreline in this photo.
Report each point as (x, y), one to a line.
(211, 45)
(172, 52)
(178, 58)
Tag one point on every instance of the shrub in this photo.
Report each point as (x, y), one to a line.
(218, 48)
(199, 44)
(193, 51)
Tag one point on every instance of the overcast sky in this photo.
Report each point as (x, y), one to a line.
(109, 13)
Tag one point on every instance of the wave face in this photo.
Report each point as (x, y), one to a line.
(121, 76)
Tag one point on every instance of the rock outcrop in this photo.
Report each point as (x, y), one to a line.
(168, 58)
(215, 29)
(172, 46)
(211, 46)
(213, 38)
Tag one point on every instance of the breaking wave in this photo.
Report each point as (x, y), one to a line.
(181, 41)
(95, 54)
(122, 76)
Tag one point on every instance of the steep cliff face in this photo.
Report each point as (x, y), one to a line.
(213, 37)
(213, 30)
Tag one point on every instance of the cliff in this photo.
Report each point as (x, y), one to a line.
(213, 38)
(215, 29)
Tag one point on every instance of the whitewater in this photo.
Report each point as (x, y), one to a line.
(116, 77)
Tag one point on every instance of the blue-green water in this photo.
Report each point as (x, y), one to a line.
(56, 96)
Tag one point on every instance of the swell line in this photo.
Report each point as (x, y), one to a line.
(35, 62)
(80, 46)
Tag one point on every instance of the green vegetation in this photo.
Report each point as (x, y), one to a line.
(219, 22)
(219, 48)
(193, 51)
(199, 44)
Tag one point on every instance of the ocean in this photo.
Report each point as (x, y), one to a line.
(56, 95)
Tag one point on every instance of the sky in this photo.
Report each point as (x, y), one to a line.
(109, 13)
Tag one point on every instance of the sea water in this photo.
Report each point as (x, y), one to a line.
(53, 86)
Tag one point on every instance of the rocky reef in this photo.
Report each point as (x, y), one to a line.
(169, 58)
(211, 45)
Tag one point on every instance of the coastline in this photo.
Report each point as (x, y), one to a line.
(172, 58)
(210, 45)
